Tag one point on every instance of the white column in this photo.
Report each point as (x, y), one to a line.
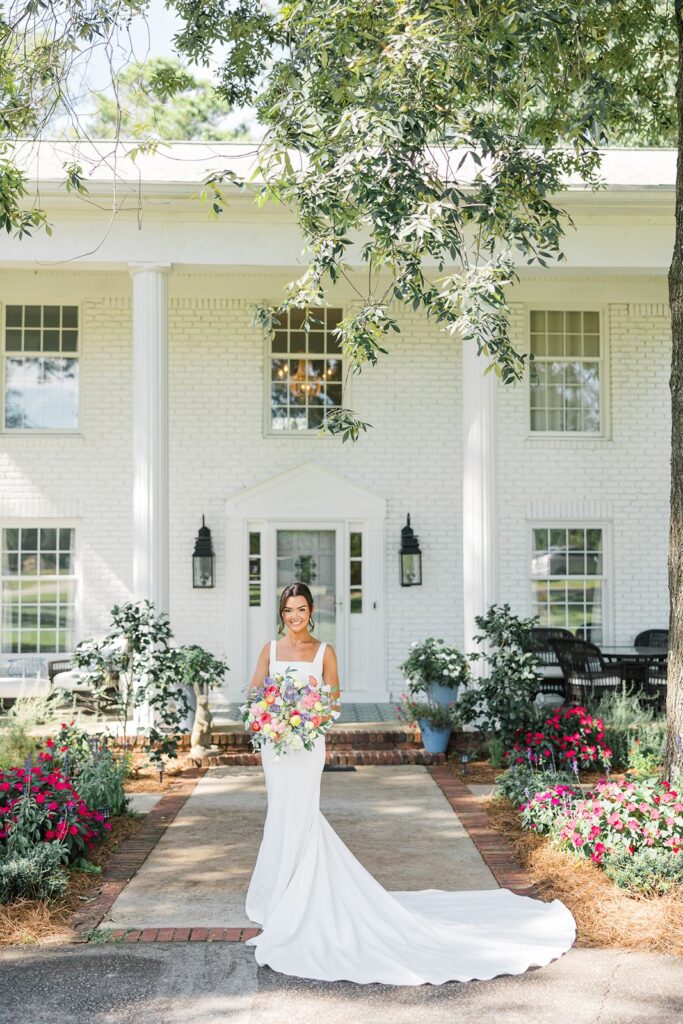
(479, 508)
(150, 433)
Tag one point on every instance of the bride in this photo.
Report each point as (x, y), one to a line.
(325, 917)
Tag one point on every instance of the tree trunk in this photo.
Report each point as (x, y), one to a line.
(674, 739)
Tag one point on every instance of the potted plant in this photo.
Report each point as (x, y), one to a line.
(436, 669)
(436, 721)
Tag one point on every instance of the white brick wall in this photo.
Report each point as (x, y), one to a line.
(622, 480)
(413, 457)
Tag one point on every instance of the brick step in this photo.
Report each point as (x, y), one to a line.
(336, 739)
(342, 757)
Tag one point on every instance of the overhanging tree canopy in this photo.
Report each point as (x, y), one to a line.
(440, 132)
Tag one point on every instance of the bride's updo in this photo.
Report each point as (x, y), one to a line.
(295, 590)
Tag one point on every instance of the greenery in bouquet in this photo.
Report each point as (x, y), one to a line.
(502, 702)
(438, 716)
(435, 661)
(288, 711)
(137, 653)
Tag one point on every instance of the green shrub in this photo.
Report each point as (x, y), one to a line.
(650, 872)
(36, 874)
(15, 744)
(503, 702)
(520, 782)
(100, 779)
(628, 719)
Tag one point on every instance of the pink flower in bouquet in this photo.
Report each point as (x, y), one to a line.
(265, 717)
(270, 694)
(316, 719)
(310, 700)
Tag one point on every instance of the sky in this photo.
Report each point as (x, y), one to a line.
(150, 37)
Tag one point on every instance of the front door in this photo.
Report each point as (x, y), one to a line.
(341, 563)
(310, 557)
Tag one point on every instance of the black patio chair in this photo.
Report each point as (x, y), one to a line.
(586, 673)
(652, 638)
(553, 678)
(657, 669)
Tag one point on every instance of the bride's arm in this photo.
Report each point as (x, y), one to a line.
(331, 676)
(260, 672)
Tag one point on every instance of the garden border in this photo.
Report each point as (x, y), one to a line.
(132, 854)
(493, 847)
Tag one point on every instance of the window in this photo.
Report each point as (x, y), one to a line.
(567, 570)
(566, 371)
(254, 570)
(41, 368)
(305, 369)
(356, 573)
(38, 590)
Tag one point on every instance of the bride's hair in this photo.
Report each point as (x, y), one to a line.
(295, 590)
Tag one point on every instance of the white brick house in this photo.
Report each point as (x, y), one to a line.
(137, 397)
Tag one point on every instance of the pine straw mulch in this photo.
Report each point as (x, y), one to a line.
(37, 921)
(145, 777)
(605, 915)
(477, 771)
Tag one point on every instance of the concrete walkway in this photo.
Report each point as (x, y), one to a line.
(219, 983)
(395, 820)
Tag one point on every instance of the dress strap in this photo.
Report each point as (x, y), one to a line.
(318, 662)
(273, 657)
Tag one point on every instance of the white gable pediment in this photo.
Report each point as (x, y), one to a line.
(306, 491)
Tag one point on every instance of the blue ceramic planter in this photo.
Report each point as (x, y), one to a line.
(435, 741)
(441, 694)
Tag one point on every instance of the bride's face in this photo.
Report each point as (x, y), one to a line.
(296, 615)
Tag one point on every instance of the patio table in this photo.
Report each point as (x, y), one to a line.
(635, 665)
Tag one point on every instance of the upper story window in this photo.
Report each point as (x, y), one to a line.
(37, 589)
(41, 368)
(305, 370)
(566, 373)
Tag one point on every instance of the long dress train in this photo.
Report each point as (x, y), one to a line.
(325, 917)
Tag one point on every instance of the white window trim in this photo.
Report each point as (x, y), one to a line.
(307, 435)
(77, 575)
(604, 434)
(42, 431)
(571, 523)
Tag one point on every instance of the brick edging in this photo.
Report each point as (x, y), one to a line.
(131, 855)
(182, 934)
(493, 847)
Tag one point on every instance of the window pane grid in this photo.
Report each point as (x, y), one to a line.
(255, 570)
(565, 374)
(41, 367)
(37, 592)
(567, 579)
(356, 572)
(306, 369)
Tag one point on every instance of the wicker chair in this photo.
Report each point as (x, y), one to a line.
(652, 638)
(587, 675)
(657, 669)
(553, 678)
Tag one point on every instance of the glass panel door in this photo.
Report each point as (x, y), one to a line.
(308, 556)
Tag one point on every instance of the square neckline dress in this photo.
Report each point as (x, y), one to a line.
(325, 917)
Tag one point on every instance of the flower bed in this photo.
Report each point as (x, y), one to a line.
(632, 829)
(569, 738)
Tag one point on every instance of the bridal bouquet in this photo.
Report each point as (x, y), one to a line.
(289, 711)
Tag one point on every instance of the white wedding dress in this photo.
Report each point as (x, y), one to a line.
(325, 917)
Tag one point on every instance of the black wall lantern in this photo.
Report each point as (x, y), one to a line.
(411, 557)
(203, 559)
